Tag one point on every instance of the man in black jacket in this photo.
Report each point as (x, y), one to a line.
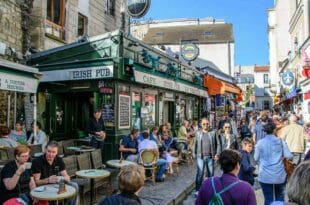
(96, 130)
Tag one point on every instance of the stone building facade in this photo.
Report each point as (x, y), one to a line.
(95, 16)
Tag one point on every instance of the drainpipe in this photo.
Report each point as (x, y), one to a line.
(15, 105)
(8, 111)
(229, 59)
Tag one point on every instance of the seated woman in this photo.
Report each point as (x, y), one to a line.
(168, 148)
(16, 179)
(130, 180)
(40, 137)
(154, 136)
(18, 134)
(5, 141)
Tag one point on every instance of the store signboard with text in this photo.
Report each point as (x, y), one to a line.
(149, 79)
(18, 83)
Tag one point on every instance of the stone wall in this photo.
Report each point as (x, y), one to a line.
(11, 33)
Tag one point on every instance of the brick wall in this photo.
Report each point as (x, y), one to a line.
(10, 24)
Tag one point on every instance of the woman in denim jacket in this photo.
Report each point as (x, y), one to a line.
(269, 152)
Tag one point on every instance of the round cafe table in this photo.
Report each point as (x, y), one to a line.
(49, 192)
(116, 163)
(93, 174)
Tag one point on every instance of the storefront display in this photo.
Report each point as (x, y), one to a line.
(148, 111)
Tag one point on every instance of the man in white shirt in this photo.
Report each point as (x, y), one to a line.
(146, 143)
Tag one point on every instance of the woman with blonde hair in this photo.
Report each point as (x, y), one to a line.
(130, 180)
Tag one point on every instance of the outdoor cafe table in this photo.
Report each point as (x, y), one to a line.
(93, 174)
(116, 163)
(49, 192)
(81, 149)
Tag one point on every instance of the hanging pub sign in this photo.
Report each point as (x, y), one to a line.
(189, 51)
(288, 78)
(137, 8)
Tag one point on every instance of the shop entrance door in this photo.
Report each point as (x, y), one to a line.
(69, 114)
(168, 112)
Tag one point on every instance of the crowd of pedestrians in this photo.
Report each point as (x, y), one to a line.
(229, 160)
(233, 158)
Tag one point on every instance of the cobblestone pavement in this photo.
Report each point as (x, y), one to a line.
(175, 190)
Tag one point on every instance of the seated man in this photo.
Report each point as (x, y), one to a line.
(161, 163)
(129, 146)
(48, 167)
(183, 137)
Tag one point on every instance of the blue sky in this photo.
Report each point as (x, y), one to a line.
(249, 19)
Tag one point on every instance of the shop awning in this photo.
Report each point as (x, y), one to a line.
(214, 85)
(18, 78)
(307, 95)
(230, 88)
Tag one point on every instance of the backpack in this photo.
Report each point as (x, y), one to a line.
(217, 198)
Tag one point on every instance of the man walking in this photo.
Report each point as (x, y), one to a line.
(204, 150)
(296, 138)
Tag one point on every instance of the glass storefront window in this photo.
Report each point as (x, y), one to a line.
(136, 107)
(148, 111)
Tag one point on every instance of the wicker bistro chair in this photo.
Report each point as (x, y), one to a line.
(148, 159)
(7, 153)
(72, 168)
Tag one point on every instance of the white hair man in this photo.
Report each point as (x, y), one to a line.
(295, 136)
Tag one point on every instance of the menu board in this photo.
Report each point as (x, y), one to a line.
(124, 112)
(108, 115)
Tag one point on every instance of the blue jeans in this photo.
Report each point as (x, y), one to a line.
(273, 192)
(162, 166)
(201, 164)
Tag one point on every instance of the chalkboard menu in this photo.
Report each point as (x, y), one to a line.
(124, 112)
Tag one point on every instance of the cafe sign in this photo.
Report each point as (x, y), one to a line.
(149, 79)
(189, 51)
(98, 72)
(18, 83)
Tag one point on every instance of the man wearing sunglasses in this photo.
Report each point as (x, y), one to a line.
(204, 150)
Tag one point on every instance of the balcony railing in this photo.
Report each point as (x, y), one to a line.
(54, 30)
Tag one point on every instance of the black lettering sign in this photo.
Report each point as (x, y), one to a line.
(81, 74)
(105, 72)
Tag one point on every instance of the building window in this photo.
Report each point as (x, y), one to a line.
(55, 18)
(266, 105)
(266, 80)
(109, 7)
(82, 25)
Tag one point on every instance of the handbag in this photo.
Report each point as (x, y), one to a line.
(289, 166)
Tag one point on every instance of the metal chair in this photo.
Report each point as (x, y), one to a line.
(68, 143)
(72, 168)
(96, 159)
(148, 159)
(34, 149)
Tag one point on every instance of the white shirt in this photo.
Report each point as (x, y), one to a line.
(147, 144)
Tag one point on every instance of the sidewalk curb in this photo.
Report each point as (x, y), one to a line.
(182, 195)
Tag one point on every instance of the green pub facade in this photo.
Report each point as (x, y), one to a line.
(135, 86)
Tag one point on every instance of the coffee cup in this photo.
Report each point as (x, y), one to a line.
(28, 165)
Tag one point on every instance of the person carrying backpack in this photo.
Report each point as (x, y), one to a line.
(227, 189)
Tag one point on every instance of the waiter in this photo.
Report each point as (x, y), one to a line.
(96, 130)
